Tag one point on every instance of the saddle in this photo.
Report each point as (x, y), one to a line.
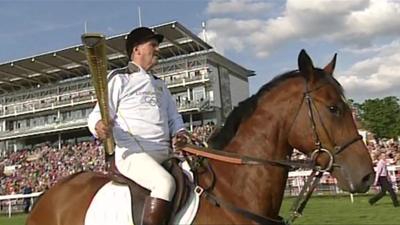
(139, 194)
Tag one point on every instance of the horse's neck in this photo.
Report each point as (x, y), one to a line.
(263, 135)
(256, 188)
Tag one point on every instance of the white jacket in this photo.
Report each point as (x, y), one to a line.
(143, 111)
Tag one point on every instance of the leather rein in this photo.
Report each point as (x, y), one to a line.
(309, 186)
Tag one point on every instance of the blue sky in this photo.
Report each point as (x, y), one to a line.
(262, 35)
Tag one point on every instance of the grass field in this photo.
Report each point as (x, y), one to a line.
(340, 211)
(320, 211)
(14, 220)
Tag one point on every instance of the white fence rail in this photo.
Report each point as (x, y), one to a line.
(13, 203)
(328, 186)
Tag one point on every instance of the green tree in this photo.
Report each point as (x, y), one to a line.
(381, 116)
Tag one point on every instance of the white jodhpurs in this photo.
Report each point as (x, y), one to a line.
(145, 169)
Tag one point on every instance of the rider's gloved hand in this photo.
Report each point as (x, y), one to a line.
(180, 139)
(103, 131)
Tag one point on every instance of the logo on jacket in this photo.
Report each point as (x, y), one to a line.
(150, 99)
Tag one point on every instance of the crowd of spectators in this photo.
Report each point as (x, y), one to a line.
(375, 148)
(390, 148)
(202, 133)
(43, 166)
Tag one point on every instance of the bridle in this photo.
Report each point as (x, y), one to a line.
(312, 180)
(319, 148)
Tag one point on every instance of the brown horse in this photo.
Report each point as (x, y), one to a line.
(303, 109)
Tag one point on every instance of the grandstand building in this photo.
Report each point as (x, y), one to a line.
(47, 97)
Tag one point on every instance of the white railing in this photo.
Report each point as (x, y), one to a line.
(328, 184)
(61, 125)
(48, 103)
(9, 200)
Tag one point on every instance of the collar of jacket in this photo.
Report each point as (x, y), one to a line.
(133, 68)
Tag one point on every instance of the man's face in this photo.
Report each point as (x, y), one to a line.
(146, 54)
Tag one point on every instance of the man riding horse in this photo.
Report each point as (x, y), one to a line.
(145, 118)
(302, 109)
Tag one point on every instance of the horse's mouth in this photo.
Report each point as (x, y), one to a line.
(346, 183)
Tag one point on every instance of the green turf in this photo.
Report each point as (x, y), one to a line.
(319, 211)
(340, 211)
(18, 219)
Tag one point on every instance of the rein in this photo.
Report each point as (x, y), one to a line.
(237, 159)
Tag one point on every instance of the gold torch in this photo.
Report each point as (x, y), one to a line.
(95, 48)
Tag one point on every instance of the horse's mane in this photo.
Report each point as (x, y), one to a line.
(245, 109)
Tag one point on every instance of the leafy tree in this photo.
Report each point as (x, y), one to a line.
(381, 116)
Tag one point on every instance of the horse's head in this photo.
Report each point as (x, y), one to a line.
(324, 121)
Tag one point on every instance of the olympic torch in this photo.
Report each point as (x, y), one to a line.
(95, 48)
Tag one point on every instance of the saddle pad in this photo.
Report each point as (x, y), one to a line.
(112, 206)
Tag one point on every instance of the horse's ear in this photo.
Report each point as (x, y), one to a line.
(305, 63)
(331, 66)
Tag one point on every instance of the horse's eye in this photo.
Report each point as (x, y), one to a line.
(334, 110)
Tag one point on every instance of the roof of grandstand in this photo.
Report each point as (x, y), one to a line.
(71, 62)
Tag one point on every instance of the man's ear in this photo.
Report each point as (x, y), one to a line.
(135, 49)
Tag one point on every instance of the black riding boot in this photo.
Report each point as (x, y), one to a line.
(156, 211)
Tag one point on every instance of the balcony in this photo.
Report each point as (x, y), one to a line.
(196, 106)
(51, 103)
(45, 128)
(181, 82)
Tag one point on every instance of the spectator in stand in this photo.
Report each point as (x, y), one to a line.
(1, 170)
(2, 176)
(382, 178)
(397, 159)
(27, 201)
